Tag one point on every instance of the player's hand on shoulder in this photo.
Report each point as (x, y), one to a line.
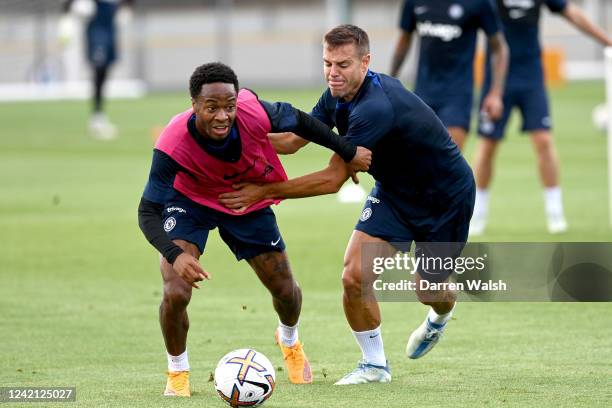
(188, 268)
(243, 196)
(362, 159)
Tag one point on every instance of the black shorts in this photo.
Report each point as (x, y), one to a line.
(246, 235)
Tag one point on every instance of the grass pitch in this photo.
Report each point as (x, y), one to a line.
(80, 286)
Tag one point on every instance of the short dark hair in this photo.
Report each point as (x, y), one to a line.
(348, 34)
(211, 73)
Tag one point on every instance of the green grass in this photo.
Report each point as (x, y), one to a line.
(80, 286)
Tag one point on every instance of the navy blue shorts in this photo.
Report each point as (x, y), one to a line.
(246, 235)
(453, 111)
(383, 217)
(439, 235)
(533, 105)
(101, 48)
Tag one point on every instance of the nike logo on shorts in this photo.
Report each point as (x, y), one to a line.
(275, 242)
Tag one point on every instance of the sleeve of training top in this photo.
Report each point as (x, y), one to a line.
(367, 129)
(556, 6)
(157, 191)
(286, 118)
(322, 112)
(489, 18)
(407, 20)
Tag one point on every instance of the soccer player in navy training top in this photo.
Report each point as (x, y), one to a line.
(525, 90)
(424, 189)
(448, 32)
(101, 48)
(222, 139)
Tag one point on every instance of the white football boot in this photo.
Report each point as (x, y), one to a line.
(366, 373)
(101, 128)
(556, 224)
(423, 339)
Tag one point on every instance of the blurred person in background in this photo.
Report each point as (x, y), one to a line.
(448, 33)
(101, 50)
(525, 89)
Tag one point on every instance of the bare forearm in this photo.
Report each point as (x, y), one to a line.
(401, 49)
(499, 60)
(310, 185)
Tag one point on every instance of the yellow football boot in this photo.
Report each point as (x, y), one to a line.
(177, 384)
(296, 362)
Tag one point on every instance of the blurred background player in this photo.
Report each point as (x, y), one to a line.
(220, 141)
(424, 192)
(448, 33)
(101, 50)
(525, 89)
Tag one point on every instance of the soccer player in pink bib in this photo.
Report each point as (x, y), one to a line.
(222, 140)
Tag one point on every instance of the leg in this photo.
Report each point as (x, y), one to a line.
(548, 166)
(99, 76)
(272, 269)
(361, 308)
(174, 324)
(548, 161)
(458, 134)
(483, 164)
(100, 127)
(441, 301)
(360, 305)
(426, 336)
(486, 148)
(447, 240)
(173, 309)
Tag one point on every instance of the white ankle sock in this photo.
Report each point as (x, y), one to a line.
(288, 334)
(553, 201)
(371, 345)
(178, 363)
(481, 205)
(437, 318)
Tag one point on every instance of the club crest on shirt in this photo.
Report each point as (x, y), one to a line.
(169, 224)
(455, 11)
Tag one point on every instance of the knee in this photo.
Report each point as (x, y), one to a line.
(351, 279)
(543, 145)
(176, 297)
(487, 149)
(286, 290)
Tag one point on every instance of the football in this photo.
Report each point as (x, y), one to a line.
(244, 378)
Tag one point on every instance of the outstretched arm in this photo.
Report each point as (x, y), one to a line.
(326, 181)
(286, 142)
(577, 17)
(285, 118)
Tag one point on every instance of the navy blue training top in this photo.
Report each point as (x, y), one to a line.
(448, 32)
(105, 13)
(520, 23)
(414, 159)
